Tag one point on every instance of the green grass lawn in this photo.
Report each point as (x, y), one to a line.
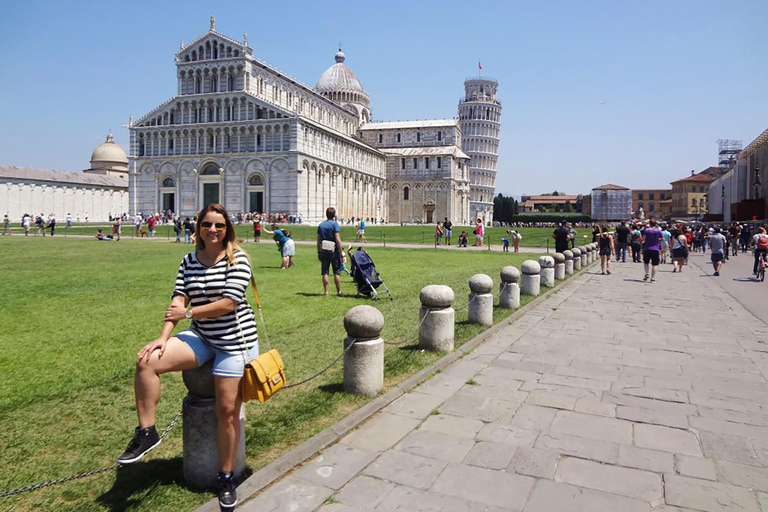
(532, 237)
(76, 311)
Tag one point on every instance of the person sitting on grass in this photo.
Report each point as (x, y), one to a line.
(463, 239)
(101, 237)
(209, 291)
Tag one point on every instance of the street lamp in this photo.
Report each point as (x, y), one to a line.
(722, 197)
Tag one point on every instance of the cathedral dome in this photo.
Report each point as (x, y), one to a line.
(108, 153)
(338, 78)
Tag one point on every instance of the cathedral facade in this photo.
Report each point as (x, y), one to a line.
(243, 134)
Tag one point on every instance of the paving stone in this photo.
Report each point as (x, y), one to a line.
(408, 499)
(707, 496)
(532, 386)
(336, 507)
(436, 445)
(638, 415)
(594, 406)
(487, 387)
(666, 439)
(744, 476)
(380, 432)
(649, 403)
(552, 400)
(728, 447)
(729, 427)
(291, 493)
(762, 498)
(336, 466)
(490, 455)
(485, 409)
(414, 405)
(578, 447)
(632, 483)
(364, 492)
(533, 417)
(695, 467)
(593, 427)
(487, 486)
(453, 426)
(534, 462)
(651, 460)
(668, 383)
(549, 496)
(406, 469)
(507, 434)
(577, 382)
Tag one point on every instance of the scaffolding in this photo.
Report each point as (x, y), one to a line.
(727, 150)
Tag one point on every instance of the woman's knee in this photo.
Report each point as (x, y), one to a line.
(226, 411)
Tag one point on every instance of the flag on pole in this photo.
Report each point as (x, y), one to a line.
(479, 65)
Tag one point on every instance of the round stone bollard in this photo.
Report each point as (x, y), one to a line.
(584, 261)
(559, 265)
(480, 306)
(364, 360)
(568, 261)
(588, 247)
(437, 318)
(200, 426)
(509, 290)
(576, 258)
(593, 253)
(531, 280)
(547, 264)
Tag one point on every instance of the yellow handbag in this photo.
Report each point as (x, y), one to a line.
(265, 375)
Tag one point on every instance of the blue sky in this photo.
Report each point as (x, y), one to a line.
(628, 92)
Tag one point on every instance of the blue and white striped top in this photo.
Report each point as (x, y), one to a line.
(203, 285)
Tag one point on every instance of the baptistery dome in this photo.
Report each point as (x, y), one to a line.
(339, 83)
(108, 158)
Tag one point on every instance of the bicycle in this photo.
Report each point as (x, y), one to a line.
(761, 267)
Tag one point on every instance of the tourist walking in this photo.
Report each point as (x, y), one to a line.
(209, 291)
(360, 235)
(735, 232)
(665, 243)
(257, 229)
(561, 236)
(438, 233)
(40, 225)
(622, 235)
(69, 220)
(26, 220)
(117, 228)
(605, 246)
(329, 250)
(447, 230)
(6, 225)
(479, 232)
(679, 250)
(717, 250)
(187, 230)
(177, 227)
(151, 222)
(52, 223)
(636, 243)
(652, 238)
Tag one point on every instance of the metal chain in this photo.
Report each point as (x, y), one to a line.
(408, 337)
(321, 371)
(58, 481)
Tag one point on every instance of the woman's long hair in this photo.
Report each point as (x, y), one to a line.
(230, 238)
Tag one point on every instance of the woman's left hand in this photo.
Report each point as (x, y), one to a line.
(175, 312)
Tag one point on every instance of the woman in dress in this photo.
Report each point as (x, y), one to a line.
(605, 244)
(209, 291)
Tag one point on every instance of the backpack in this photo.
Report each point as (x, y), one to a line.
(762, 242)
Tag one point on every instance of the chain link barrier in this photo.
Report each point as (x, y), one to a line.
(85, 474)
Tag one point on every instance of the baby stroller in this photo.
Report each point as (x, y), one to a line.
(366, 277)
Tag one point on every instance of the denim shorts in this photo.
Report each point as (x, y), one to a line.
(225, 364)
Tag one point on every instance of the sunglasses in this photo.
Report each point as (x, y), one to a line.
(209, 225)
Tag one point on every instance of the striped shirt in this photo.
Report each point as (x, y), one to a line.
(232, 332)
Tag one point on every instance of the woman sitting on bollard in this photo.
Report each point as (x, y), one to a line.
(212, 280)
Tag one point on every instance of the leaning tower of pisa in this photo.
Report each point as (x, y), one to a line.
(480, 122)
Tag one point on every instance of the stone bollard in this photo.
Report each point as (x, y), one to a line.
(531, 279)
(200, 427)
(559, 265)
(584, 261)
(588, 247)
(547, 264)
(364, 361)
(568, 261)
(594, 251)
(436, 330)
(509, 290)
(576, 258)
(480, 307)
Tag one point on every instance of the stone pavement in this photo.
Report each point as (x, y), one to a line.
(610, 395)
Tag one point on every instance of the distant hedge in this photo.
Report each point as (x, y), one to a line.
(551, 217)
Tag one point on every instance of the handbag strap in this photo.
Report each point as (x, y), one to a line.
(261, 314)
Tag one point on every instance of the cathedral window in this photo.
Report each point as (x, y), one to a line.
(415, 163)
(398, 138)
(168, 182)
(439, 162)
(402, 163)
(418, 136)
(406, 193)
(381, 138)
(426, 163)
(231, 83)
(439, 136)
(198, 85)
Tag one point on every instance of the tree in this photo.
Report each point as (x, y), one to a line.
(568, 207)
(504, 208)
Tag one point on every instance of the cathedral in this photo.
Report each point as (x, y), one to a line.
(243, 134)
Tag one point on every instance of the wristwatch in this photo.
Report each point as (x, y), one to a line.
(188, 314)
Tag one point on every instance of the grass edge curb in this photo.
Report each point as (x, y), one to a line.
(329, 436)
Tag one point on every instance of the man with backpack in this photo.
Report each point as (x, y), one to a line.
(760, 241)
